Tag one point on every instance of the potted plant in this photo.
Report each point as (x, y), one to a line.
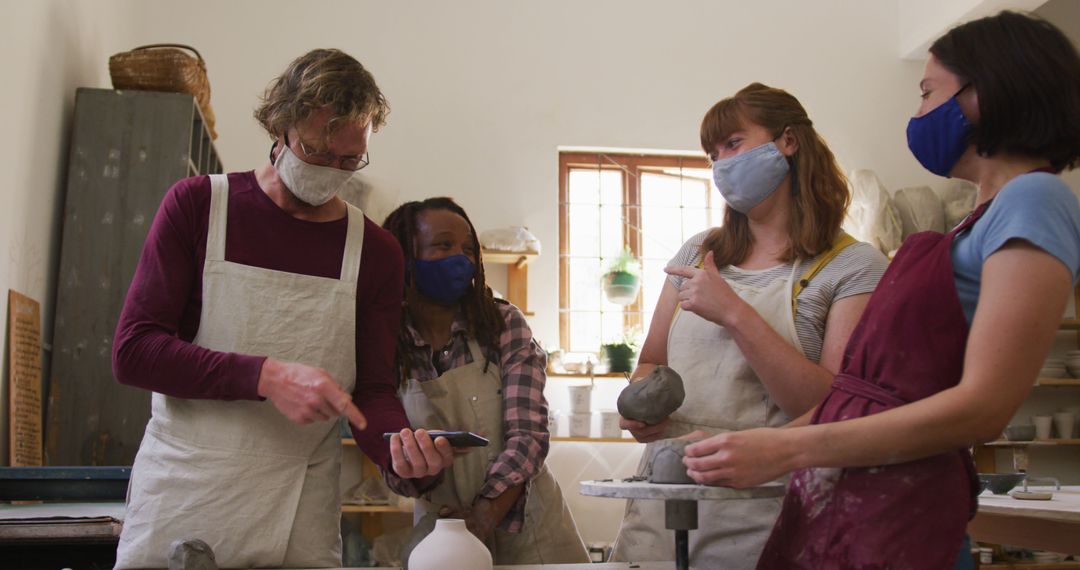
(621, 356)
(623, 279)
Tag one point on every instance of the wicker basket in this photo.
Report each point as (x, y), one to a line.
(165, 67)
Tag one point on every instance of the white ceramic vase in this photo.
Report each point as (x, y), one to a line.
(450, 545)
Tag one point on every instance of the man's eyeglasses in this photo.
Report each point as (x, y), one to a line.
(323, 158)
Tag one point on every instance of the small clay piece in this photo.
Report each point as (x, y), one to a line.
(652, 398)
(667, 465)
(423, 527)
(191, 554)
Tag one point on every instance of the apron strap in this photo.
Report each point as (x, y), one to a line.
(803, 282)
(354, 245)
(219, 217)
(858, 387)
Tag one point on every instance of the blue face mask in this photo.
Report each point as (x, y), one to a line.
(445, 280)
(939, 138)
(746, 180)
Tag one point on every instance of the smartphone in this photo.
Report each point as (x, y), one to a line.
(456, 438)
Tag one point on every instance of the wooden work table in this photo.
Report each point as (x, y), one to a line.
(1052, 525)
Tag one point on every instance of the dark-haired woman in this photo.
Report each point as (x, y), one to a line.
(756, 312)
(954, 336)
(469, 362)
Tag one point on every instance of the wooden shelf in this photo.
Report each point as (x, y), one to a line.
(509, 257)
(374, 509)
(517, 275)
(1070, 324)
(1058, 382)
(596, 439)
(348, 441)
(1034, 443)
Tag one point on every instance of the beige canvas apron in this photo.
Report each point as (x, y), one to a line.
(469, 399)
(722, 394)
(259, 489)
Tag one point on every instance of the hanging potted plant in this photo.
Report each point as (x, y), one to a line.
(623, 279)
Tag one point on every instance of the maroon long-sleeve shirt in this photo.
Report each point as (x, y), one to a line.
(153, 348)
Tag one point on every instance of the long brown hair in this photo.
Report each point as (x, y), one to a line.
(820, 192)
(485, 321)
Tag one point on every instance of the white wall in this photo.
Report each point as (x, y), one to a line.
(50, 48)
(483, 92)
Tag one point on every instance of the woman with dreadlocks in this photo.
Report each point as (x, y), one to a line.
(468, 362)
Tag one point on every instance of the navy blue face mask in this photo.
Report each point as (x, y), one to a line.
(939, 138)
(444, 280)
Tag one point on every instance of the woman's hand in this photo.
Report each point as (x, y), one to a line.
(740, 459)
(706, 294)
(644, 432)
(413, 455)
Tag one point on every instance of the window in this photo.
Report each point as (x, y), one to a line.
(648, 204)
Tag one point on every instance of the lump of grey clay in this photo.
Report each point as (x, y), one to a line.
(652, 398)
(191, 554)
(667, 465)
(423, 527)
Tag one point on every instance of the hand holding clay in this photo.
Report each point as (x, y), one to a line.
(742, 459)
(653, 398)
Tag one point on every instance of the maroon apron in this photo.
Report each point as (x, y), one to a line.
(908, 345)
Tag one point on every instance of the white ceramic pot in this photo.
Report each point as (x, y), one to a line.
(580, 399)
(609, 424)
(1043, 426)
(580, 425)
(450, 542)
(1063, 424)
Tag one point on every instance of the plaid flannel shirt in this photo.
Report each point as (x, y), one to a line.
(522, 364)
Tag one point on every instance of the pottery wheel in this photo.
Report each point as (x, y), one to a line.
(680, 503)
(658, 491)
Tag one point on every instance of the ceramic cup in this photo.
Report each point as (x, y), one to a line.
(1064, 423)
(609, 424)
(580, 399)
(1042, 426)
(580, 425)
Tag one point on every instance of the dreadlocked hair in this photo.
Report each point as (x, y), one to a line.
(484, 321)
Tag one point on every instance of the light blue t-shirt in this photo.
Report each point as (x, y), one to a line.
(1038, 208)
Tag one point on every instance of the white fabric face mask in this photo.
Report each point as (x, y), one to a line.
(311, 184)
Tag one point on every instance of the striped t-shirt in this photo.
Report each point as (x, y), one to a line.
(856, 270)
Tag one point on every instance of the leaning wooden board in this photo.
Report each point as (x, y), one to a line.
(24, 381)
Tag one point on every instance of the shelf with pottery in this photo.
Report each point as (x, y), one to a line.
(1051, 525)
(517, 275)
(985, 456)
(372, 523)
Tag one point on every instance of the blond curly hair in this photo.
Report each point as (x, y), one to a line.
(322, 78)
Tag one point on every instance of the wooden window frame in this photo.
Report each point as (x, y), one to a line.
(633, 165)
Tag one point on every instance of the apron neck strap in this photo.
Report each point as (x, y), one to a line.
(219, 217)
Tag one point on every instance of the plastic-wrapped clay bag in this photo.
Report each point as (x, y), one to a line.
(871, 217)
(919, 209)
(515, 238)
(958, 198)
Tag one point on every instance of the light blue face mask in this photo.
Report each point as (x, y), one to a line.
(746, 180)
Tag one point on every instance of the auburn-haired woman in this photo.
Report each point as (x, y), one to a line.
(469, 363)
(756, 313)
(951, 343)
